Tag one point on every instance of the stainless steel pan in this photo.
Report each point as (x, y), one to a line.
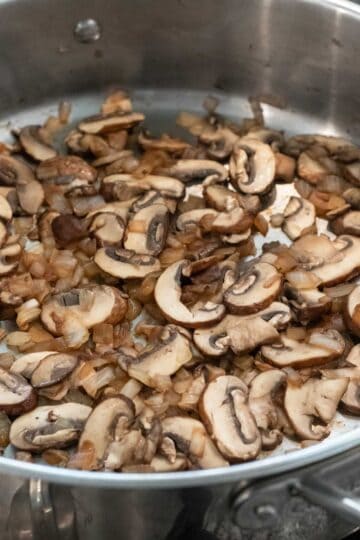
(298, 54)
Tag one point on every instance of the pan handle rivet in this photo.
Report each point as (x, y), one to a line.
(87, 31)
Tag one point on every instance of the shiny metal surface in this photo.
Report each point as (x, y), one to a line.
(299, 54)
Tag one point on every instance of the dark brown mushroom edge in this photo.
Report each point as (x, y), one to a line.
(150, 321)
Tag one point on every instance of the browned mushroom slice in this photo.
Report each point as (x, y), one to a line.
(332, 261)
(110, 419)
(25, 365)
(352, 172)
(194, 170)
(351, 399)
(310, 169)
(263, 393)
(253, 290)
(235, 220)
(6, 212)
(165, 143)
(125, 264)
(191, 439)
(336, 146)
(312, 406)
(285, 167)
(65, 169)
(243, 333)
(352, 197)
(125, 186)
(9, 258)
(352, 311)
(71, 313)
(154, 366)
(50, 426)
(107, 228)
(322, 347)
(68, 229)
(307, 304)
(299, 217)
(220, 141)
(34, 144)
(14, 172)
(348, 223)
(106, 123)
(16, 395)
(192, 218)
(153, 197)
(220, 197)
(237, 239)
(53, 369)
(225, 411)
(147, 230)
(252, 166)
(168, 294)
(162, 464)
(120, 208)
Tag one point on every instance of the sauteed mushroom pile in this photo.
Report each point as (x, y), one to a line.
(151, 321)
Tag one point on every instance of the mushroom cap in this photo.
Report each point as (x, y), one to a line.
(101, 425)
(254, 290)
(125, 264)
(225, 412)
(321, 348)
(107, 123)
(89, 306)
(299, 216)
(262, 394)
(147, 230)
(16, 395)
(50, 426)
(257, 157)
(243, 333)
(53, 369)
(167, 296)
(183, 431)
(65, 169)
(164, 359)
(314, 400)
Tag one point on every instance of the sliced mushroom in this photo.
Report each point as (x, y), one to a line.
(76, 310)
(352, 197)
(6, 212)
(53, 369)
(252, 166)
(107, 123)
(351, 399)
(196, 170)
(307, 304)
(321, 348)
(254, 290)
(237, 239)
(312, 406)
(191, 439)
(14, 172)
(25, 365)
(107, 228)
(68, 229)
(332, 262)
(164, 143)
(152, 366)
(65, 169)
(352, 172)
(33, 143)
(192, 218)
(125, 264)
(30, 195)
(9, 258)
(107, 423)
(285, 167)
(220, 141)
(348, 223)
(50, 426)
(147, 230)
(125, 186)
(243, 333)
(225, 411)
(263, 393)
(299, 217)
(352, 311)
(311, 169)
(168, 293)
(162, 464)
(16, 395)
(220, 197)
